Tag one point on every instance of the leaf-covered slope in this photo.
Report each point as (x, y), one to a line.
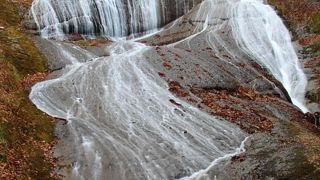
(26, 134)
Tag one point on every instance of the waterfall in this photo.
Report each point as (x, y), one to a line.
(120, 112)
(258, 32)
(115, 18)
(123, 121)
(261, 33)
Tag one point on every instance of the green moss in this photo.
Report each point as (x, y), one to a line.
(21, 52)
(9, 12)
(82, 42)
(306, 161)
(312, 96)
(3, 136)
(3, 158)
(313, 50)
(43, 129)
(315, 23)
(303, 168)
(15, 46)
(43, 170)
(13, 76)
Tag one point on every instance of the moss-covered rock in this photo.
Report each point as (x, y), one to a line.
(20, 51)
(26, 134)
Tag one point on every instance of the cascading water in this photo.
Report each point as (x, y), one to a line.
(114, 18)
(261, 34)
(120, 111)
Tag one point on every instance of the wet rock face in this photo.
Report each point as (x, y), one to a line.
(107, 18)
(171, 10)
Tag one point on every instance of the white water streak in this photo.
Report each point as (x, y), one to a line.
(123, 107)
(204, 173)
(261, 33)
(115, 18)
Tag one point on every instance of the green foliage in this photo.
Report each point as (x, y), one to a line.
(315, 23)
(313, 49)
